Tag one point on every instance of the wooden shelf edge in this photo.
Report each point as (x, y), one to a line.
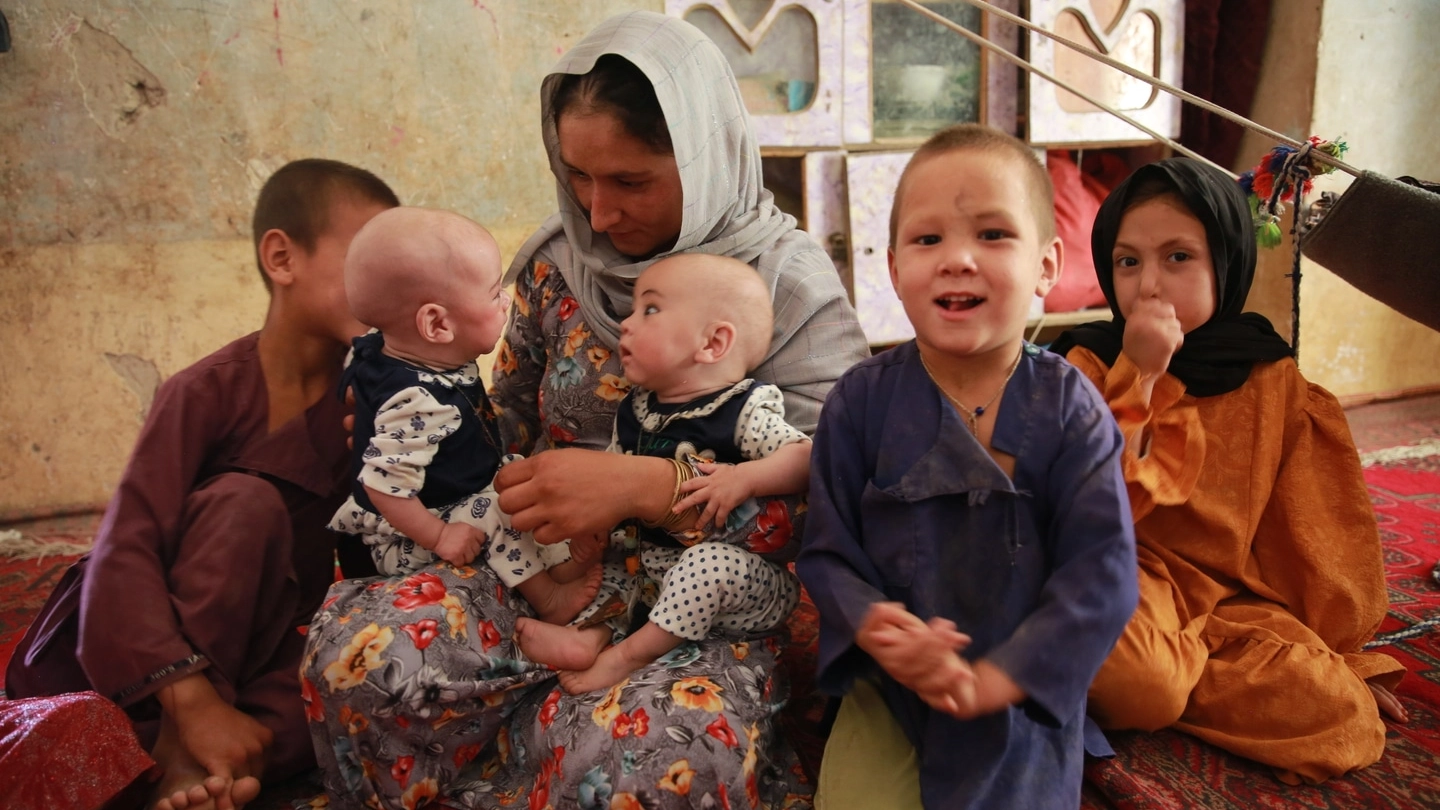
(1075, 318)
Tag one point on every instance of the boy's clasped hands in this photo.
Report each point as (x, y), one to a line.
(924, 657)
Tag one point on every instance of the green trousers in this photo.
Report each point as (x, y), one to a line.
(868, 764)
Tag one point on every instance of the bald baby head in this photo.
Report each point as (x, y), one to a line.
(407, 257)
(726, 289)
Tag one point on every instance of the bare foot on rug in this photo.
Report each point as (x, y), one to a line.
(211, 752)
(1388, 703)
(559, 602)
(214, 791)
(560, 647)
(182, 785)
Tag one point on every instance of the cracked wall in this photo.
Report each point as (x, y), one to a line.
(134, 135)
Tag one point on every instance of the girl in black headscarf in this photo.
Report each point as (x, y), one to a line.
(1261, 572)
(1216, 355)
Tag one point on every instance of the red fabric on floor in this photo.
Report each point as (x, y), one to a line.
(73, 751)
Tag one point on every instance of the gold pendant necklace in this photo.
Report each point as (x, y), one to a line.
(972, 417)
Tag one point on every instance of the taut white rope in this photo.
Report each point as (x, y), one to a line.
(985, 43)
(1154, 82)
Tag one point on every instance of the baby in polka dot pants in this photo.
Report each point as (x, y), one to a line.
(699, 324)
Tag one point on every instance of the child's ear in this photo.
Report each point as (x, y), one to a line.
(894, 276)
(432, 324)
(1052, 264)
(719, 340)
(277, 257)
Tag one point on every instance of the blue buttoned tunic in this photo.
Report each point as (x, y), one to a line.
(907, 506)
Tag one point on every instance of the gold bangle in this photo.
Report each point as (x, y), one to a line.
(671, 521)
(665, 515)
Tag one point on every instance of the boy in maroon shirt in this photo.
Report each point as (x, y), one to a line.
(213, 550)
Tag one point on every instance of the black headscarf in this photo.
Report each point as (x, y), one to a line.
(1217, 355)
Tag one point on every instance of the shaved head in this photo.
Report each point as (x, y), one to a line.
(728, 289)
(981, 138)
(406, 257)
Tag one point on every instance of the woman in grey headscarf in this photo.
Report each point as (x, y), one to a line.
(415, 686)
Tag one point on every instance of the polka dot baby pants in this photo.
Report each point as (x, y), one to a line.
(720, 586)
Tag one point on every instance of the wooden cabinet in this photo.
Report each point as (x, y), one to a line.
(787, 57)
(842, 91)
(827, 73)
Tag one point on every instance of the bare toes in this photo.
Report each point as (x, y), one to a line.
(215, 786)
(244, 791)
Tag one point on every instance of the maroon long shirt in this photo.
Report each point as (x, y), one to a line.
(209, 419)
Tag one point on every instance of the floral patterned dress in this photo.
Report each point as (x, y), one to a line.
(416, 691)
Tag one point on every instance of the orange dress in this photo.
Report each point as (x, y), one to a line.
(1261, 573)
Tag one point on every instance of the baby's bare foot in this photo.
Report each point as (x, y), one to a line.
(611, 667)
(559, 647)
(565, 600)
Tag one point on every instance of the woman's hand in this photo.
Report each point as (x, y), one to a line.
(560, 494)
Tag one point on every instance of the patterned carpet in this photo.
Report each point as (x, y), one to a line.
(26, 583)
(1151, 771)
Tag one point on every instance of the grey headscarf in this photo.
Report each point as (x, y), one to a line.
(727, 212)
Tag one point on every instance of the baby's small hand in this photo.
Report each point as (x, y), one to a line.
(459, 543)
(1152, 336)
(722, 488)
(348, 421)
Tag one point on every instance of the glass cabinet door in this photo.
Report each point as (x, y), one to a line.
(924, 76)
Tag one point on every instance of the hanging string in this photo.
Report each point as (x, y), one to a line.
(1294, 275)
(1008, 56)
(1332, 160)
(1283, 175)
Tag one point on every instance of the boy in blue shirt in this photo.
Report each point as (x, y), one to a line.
(968, 542)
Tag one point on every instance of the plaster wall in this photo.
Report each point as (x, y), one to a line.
(1377, 86)
(134, 135)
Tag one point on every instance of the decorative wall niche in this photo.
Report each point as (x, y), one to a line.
(1145, 34)
(786, 56)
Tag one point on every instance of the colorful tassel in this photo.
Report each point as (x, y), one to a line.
(1275, 182)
